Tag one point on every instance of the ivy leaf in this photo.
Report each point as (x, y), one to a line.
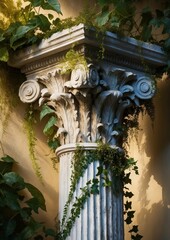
(26, 213)
(146, 33)
(128, 205)
(45, 111)
(50, 232)
(127, 179)
(100, 170)
(34, 204)
(134, 229)
(30, 230)
(137, 237)
(50, 16)
(115, 22)
(52, 5)
(37, 195)
(166, 22)
(14, 180)
(103, 18)
(20, 33)
(128, 194)
(35, 3)
(53, 144)
(8, 159)
(42, 22)
(130, 216)
(10, 199)
(6, 164)
(48, 129)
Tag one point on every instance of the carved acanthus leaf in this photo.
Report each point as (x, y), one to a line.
(89, 103)
(83, 77)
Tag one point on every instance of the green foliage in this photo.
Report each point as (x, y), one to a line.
(16, 219)
(25, 25)
(28, 25)
(113, 172)
(71, 59)
(123, 17)
(49, 129)
(79, 165)
(29, 124)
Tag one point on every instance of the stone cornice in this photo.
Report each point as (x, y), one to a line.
(49, 49)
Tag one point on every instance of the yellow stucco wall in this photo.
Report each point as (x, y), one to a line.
(151, 186)
(152, 149)
(15, 144)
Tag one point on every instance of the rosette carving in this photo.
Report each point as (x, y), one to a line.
(144, 88)
(30, 91)
(83, 76)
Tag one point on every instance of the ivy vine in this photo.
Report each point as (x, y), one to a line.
(113, 170)
(29, 124)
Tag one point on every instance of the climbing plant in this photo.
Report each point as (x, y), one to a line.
(151, 23)
(25, 25)
(16, 220)
(112, 171)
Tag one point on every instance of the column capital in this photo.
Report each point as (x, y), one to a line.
(91, 99)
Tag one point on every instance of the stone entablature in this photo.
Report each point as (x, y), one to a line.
(120, 50)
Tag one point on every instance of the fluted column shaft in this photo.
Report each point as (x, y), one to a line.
(102, 214)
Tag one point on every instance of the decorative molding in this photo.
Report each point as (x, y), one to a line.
(90, 101)
(113, 44)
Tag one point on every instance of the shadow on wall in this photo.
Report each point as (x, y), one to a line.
(154, 218)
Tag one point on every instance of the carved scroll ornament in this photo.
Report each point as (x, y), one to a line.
(90, 102)
(30, 91)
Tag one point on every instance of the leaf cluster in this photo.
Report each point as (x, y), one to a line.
(111, 173)
(149, 24)
(27, 25)
(16, 219)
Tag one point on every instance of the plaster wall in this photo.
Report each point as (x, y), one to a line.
(151, 187)
(15, 144)
(152, 150)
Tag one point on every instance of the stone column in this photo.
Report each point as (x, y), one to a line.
(102, 215)
(89, 107)
(90, 103)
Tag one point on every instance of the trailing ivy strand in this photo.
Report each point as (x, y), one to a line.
(114, 170)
